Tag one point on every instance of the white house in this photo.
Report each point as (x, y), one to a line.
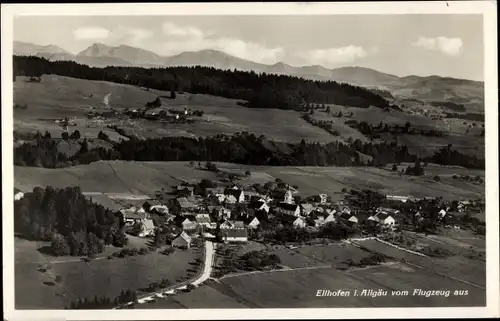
(253, 223)
(161, 209)
(261, 206)
(188, 225)
(383, 218)
(18, 194)
(230, 199)
(294, 221)
(203, 220)
(288, 209)
(145, 227)
(323, 198)
(132, 215)
(349, 217)
(306, 209)
(182, 240)
(442, 213)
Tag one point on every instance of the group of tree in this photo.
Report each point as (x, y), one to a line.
(415, 170)
(258, 90)
(104, 302)
(65, 217)
(241, 148)
(375, 131)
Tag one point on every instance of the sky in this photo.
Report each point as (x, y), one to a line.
(432, 44)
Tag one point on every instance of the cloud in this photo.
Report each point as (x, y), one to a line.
(188, 38)
(131, 36)
(171, 29)
(91, 33)
(448, 46)
(331, 57)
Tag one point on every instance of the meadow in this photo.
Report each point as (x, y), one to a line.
(53, 282)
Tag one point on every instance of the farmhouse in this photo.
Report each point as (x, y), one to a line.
(288, 209)
(188, 225)
(160, 209)
(260, 206)
(252, 222)
(185, 204)
(383, 218)
(290, 220)
(349, 218)
(323, 198)
(219, 211)
(203, 220)
(306, 209)
(18, 194)
(234, 235)
(145, 228)
(133, 215)
(182, 241)
(387, 211)
(238, 195)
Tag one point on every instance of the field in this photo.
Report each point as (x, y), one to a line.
(146, 178)
(79, 279)
(297, 288)
(467, 142)
(57, 97)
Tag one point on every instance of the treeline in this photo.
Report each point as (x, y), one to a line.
(449, 105)
(259, 90)
(448, 156)
(104, 302)
(72, 223)
(375, 131)
(242, 148)
(467, 116)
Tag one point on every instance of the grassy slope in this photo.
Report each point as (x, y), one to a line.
(145, 178)
(57, 97)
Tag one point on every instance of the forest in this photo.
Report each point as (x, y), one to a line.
(72, 223)
(241, 148)
(259, 90)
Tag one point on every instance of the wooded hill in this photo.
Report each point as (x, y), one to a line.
(259, 90)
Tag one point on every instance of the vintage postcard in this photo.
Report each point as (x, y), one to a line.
(265, 160)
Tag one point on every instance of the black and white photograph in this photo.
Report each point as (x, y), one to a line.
(182, 158)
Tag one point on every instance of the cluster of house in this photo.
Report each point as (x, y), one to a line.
(231, 212)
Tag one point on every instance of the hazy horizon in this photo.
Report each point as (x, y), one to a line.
(402, 45)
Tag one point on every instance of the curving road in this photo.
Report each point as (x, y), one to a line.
(197, 280)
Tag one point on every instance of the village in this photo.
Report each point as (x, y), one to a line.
(233, 213)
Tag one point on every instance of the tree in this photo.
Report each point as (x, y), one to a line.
(328, 109)
(394, 168)
(84, 146)
(75, 135)
(191, 163)
(437, 178)
(102, 136)
(172, 94)
(247, 173)
(146, 206)
(59, 245)
(65, 135)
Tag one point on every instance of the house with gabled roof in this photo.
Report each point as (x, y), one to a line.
(383, 218)
(294, 221)
(203, 220)
(145, 228)
(239, 195)
(160, 209)
(133, 215)
(288, 209)
(351, 218)
(323, 198)
(306, 209)
(189, 225)
(252, 222)
(260, 206)
(182, 240)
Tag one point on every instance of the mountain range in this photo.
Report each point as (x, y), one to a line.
(432, 88)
